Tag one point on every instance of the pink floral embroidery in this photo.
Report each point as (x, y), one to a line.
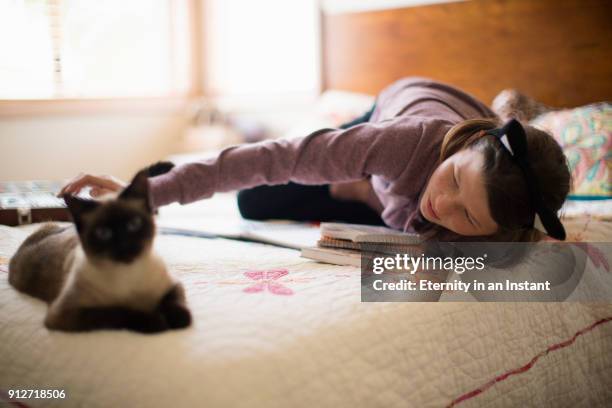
(266, 280)
(596, 256)
(4, 264)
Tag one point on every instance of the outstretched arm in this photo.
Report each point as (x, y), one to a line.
(325, 156)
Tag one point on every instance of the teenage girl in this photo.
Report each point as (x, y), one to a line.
(427, 158)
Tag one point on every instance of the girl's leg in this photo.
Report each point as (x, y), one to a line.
(302, 203)
(305, 203)
(361, 119)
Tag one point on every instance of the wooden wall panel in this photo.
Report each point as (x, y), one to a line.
(558, 51)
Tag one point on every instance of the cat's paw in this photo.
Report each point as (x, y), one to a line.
(172, 307)
(177, 316)
(149, 324)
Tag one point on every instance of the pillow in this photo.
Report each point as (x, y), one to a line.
(585, 133)
(510, 103)
(332, 109)
(339, 107)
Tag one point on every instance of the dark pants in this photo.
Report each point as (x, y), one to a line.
(305, 203)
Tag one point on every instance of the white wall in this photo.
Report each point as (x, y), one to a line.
(60, 146)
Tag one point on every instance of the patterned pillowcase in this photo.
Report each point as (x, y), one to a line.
(585, 134)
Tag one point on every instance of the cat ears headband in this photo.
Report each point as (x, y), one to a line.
(513, 138)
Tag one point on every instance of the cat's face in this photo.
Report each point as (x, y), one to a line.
(117, 231)
(120, 229)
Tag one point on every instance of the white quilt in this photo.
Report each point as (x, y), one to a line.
(273, 329)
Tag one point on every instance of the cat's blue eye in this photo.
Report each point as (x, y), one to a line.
(103, 233)
(134, 224)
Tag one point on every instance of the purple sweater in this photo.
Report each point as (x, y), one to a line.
(398, 148)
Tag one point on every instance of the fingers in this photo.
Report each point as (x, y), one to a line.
(78, 183)
(74, 186)
(98, 192)
(69, 188)
(100, 185)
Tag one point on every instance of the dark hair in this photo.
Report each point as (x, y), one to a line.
(509, 201)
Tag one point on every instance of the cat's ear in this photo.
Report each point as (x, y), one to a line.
(159, 168)
(138, 190)
(78, 207)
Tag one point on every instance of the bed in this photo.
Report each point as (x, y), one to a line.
(274, 329)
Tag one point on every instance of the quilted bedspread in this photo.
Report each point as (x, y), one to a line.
(273, 329)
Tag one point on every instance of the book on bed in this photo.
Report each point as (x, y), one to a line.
(346, 244)
(286, 234)
(25, 202)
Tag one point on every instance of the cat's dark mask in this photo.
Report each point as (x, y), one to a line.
(118, 229)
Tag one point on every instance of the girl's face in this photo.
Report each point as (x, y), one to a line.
(456, 198)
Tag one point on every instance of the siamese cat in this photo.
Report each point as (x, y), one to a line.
(102, 273)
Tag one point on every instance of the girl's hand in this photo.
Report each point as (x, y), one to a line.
(100, 185)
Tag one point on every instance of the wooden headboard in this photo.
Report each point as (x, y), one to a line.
(557, 51)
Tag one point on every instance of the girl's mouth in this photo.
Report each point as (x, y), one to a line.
(431, 210)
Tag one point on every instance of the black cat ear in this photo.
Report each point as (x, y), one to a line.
(79, 207)
(138, 189)
(159, 168)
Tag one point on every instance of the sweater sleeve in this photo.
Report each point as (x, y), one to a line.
(325, 156)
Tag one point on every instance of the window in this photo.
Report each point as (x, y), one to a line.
(262, 48)
(57, 49)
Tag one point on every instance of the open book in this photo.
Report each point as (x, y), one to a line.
(287, 234)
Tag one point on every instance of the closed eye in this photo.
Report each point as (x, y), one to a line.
(467, 215)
